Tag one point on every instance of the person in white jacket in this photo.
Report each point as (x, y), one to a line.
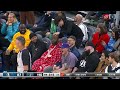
(78, 21)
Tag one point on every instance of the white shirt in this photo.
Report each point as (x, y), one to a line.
(20, 67)
(113, 68)
(84, 30)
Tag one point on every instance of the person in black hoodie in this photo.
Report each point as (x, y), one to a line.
(36, 47)
(68, 28)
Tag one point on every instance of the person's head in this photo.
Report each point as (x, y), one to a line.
(101, 28)
(22, 28)
(20, 42)
(114, 57)
(65, 49)
(89, 47)
(71, 41)
(55, 39)
(105, 55)
(78, 18)
(33, 37)
(59, 21)
(11, 18)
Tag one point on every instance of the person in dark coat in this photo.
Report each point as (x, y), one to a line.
(36, 47)
(68, 28)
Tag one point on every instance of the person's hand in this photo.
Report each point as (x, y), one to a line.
(103, 43)
(48, 12)
(57, 33)
(7, 52)
(8, 23)
(48, 34)
(35, 25)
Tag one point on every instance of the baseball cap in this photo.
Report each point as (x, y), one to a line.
(65, 45)
(89, 43)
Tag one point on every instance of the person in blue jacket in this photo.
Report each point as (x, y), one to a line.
(8, 30)
(110, 46)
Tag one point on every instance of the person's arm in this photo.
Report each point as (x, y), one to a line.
(75, 69)
(13, 29)
(69, 70)
(98, 69)
(26, 60)
(4, 28)
(11, 46)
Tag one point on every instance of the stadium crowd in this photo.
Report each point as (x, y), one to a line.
(51, 43)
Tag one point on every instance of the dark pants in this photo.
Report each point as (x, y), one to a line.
(27, 17)
(10, 62)
(4, 42)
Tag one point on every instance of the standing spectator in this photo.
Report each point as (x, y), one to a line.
(23, 57)
(8, 30)
(10, 55)
(50, 57)
(100, 38)
(78, 21)
(114, 66)
(89, 60)
(36, 47)
(73, 49)
(27, 18)
(68, 28)
(68, 60)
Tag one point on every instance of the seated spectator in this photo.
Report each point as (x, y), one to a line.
(68, 60)
(68, 28)
(110, 45)
(73, 49)
(114, 59)
(89, 60)
(100, 38)
(103, 62)
(24, 56)
(78, 21)
(50, 57)
(8, 30)
(117, 43)
(11, 52)
(36, 47)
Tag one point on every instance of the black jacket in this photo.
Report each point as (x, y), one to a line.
(69, 29)
(37, 49)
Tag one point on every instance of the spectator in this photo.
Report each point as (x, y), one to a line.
(103, 62)
(8, 30)
(27, 17)
(78, 21)
(68, 60)
(114, 59)
(50, 57)
(10, 55)
(36, 47)
(24, 56)
(117, 43)
(73, 49)
(100, 38)
(110, 45)
(89, 60)
(43, 23)
(68, 28)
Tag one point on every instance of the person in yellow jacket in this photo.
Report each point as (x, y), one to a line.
(10, 55)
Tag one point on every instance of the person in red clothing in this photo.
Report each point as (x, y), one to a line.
(100, 38)
(50, 57)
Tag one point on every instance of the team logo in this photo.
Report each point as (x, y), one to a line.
(82, 63)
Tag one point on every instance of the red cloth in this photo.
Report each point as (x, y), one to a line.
(40, 64)
(98, 40)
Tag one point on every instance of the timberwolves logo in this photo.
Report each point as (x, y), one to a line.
(82, 63)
